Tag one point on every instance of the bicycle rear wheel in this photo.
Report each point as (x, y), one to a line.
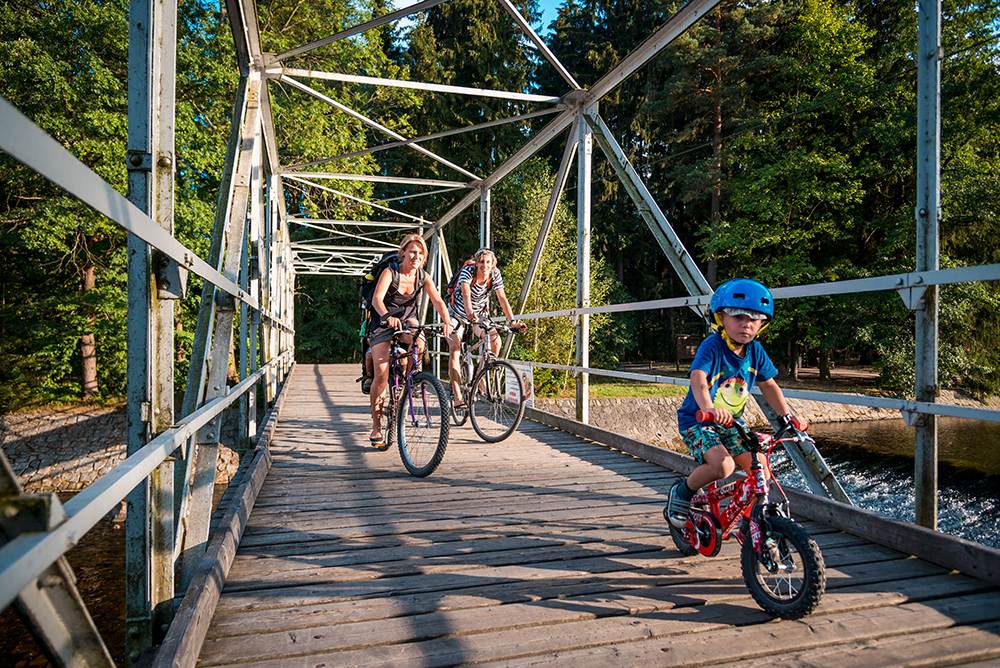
(460, 416)
(495, 411)
(422, 425)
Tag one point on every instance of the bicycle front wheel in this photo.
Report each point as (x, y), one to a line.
(422, 424)
(788, 578)
(496, 404)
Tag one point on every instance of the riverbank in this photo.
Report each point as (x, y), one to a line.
(654, 419)
(65, 448)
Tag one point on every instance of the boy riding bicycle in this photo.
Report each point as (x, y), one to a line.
(471, 303)
(725, 369)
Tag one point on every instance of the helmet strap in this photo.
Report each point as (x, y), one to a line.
(720, 328)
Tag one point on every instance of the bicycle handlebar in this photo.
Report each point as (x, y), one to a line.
(705, 417)
(487, 323)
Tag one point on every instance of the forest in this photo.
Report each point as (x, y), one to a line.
(777, 136)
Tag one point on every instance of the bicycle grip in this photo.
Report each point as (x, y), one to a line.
(703, 416)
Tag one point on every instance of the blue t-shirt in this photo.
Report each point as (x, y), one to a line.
(730, 377)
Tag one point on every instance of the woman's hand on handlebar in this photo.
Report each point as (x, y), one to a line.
(719, 416)
(392, 322)
(518, 326)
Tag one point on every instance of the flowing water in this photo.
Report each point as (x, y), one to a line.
(874, 463)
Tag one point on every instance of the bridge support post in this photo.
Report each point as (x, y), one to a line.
(585, 138)
(671, 245)
(485, 234)
(249, 272)
(219, 310)
(149, 525)
(928, 213)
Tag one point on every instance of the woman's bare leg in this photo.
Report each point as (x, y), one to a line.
(380, 361)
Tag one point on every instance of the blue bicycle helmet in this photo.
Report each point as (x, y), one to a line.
(745, 294)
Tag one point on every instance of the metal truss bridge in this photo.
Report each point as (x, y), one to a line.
(547, 550)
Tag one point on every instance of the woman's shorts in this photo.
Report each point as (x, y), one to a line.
(384, 334)
(458, 326)
(699, 439)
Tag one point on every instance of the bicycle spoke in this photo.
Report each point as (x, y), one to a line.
(423, 425)
(496, 408)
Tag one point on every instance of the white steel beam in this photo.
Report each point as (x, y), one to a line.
(535, 144)
(415, 195)
(377, 178)
(374, 124)
(401, 225)
(584, 154)
(533, 36)
(928, 216)
(348, 235)
(485, 233)
(367, 25)
(313, 246)
(356, 199)
(415, 85)
(436, 135)
(150, 160)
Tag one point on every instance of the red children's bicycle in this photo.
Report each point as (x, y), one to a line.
(782, 565)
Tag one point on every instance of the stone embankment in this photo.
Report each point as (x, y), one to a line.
(654, 419)
(66, 449)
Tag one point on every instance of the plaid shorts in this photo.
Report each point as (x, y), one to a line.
(700, 439)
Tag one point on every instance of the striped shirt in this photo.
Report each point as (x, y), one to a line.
(478, 291)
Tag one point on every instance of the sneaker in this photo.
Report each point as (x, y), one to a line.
(677, 510)
(366, 385)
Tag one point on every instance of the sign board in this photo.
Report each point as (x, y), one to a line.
(527, 384)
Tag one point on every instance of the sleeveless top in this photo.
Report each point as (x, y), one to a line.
(399, 305)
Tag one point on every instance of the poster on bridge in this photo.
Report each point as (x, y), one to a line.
(527, 383)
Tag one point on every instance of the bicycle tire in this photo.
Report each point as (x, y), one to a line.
(389, 419)
(465, 368)
(788, 536)
(458, 417)
(490, 409)
(421, 445)
(680, 539)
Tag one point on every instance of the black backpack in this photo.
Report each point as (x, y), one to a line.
(453, 283)
(366, 290)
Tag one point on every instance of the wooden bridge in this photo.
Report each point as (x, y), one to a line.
(545, 549)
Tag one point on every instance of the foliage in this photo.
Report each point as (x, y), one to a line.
(519, 205)
(778, 139)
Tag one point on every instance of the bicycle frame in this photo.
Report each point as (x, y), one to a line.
(480, 348)
(735, 501)
(395, 383)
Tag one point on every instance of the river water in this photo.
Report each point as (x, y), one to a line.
(874, 462)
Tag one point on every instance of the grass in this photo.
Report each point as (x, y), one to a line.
(614, 387)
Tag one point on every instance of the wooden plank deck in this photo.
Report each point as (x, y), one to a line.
(543, 550)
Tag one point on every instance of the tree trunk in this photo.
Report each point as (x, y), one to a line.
(824, 364)
(88, 346)
(793, 360)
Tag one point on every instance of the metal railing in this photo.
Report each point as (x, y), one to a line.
(250, 265)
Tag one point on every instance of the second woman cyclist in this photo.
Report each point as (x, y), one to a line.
(471, 303)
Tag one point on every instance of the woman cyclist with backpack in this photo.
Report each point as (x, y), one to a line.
(469, 301)
(397, 293)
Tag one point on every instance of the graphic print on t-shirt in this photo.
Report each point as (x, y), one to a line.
(732, 395)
